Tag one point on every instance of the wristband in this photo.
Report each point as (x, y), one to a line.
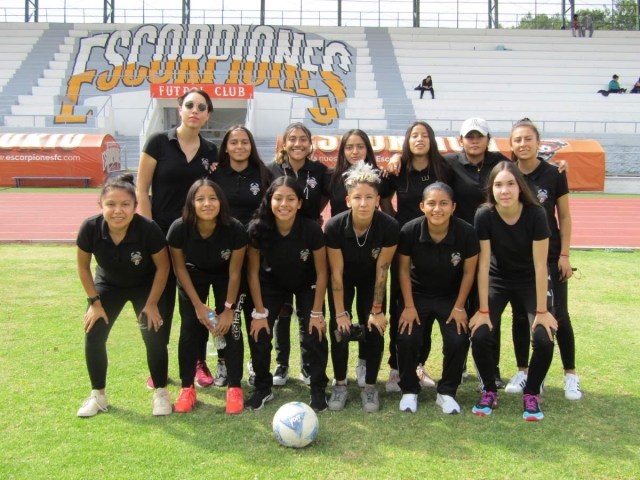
(458, 309)
(538, 312)
(343, 314)
(230, 306)
(484, 312)
(316, 315)
(566, 255)
(375, 313)
(376, 305)
(259, 316)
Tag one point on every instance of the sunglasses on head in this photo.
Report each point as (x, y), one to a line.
(201, 106)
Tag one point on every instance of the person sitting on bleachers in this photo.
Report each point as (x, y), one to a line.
(576, 30)
(614, 87)
(587, 25)
(427, 85)
(636, 87)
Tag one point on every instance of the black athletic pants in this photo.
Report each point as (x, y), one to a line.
(113, 300)
(455, 345)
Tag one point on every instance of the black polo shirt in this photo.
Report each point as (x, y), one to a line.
(313, 180)
(288, 262)
(338, 193)
(360, 262)
(210, 256)
(243, 190)
(128, 264)
(173, 175)
(512, 245)
(409, 188)
(469, 182)
(437, 268)
(547, 184)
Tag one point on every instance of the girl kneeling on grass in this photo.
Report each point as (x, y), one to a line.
(437, 258)
(133, 265)
(208, 248)
(514, 241)
(287, 257)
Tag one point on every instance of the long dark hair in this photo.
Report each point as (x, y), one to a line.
(263, 226)
(342, 165)
(437, 164)
(525, 196)
(525, 122)
(254, 157)
(123, 182)
(189, 216)
(282, 154)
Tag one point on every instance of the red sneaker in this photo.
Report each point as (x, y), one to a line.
(235, 400)
(203, 374)
(186, 401)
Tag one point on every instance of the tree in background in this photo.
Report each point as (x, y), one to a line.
(623, 16)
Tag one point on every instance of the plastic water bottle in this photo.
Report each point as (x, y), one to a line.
(218, 342)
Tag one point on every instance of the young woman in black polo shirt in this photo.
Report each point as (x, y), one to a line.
(420, 165)
(244, 178)
(287, 258)
(437, 257)
(133, 266)
(354, 147)
(361, 243)
(208, 248)
(169, 164)
(551, 188)
(514, 242)
(294, 160)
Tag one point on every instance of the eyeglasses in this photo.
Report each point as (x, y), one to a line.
(201, 106)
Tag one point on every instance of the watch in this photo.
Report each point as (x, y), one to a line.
(230, 306)
(92, 300)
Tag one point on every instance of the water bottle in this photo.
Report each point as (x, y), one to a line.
(218, 342)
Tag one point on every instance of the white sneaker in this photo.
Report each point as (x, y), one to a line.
(572, 389)
(161, 402)
(448, 404)
(409, 403)
(335, 382)
(425, 380)
(392, 383)
(517, 383)
(93, 405)
(361, 373)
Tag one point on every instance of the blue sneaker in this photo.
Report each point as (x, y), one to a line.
(532, 412)
(488, 401)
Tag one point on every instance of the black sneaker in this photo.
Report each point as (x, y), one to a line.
(258, 399)
(500, 384)
(319, 400)
(281, 375)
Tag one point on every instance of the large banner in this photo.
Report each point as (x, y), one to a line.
(586, 158)
(57, 155)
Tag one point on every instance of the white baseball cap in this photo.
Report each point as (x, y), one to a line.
(478, 124)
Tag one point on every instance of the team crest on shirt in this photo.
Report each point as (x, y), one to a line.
(455, 259)
(225, 254)
(136, 258)
(542, 195)
(205, 163)
(375, 252)
(254, 188)
(312, 182)
(304, 254)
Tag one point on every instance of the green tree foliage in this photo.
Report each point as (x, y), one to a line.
(541, 22)
(623, 16)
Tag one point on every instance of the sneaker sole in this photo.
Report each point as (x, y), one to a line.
(266, 399)
(371, 409)
(480, 413)
(235, 412)
(532, 418)
(305, 380)
(280, 382)
(408, 410)
(510, 389)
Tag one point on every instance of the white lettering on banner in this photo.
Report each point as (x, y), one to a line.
(281, 59)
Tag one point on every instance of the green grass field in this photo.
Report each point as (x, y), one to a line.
(44, 381)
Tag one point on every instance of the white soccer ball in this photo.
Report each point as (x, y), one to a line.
(295, 425)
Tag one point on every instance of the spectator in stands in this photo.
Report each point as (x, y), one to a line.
(636, 87)
(169, 164)
(427, 84)
(586, 26)
(576, 31)
(614, 87)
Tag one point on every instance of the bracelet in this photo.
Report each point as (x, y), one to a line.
(564, 255)
(458, 309)
(343, 314)
(259, 316)
(375, 313)
(376, 305)
(538, 312)
(484, 312)
(317, 315)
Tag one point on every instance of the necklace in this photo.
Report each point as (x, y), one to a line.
(365, 235)
(480, 165)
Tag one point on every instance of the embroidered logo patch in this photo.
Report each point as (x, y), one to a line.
(311, 181)
(205, 163)
(542, 195)
(225, 254)
(136, 258)
(304, 254)
(455, 259)
(375, 252)
(254, 188)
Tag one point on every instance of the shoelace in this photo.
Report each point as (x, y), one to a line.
(95, 399)
(371, 396)
(573, 384)
(487, 399)
(340, 394)
(531, 402)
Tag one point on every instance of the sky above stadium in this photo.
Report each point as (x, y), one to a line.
(390, 13)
